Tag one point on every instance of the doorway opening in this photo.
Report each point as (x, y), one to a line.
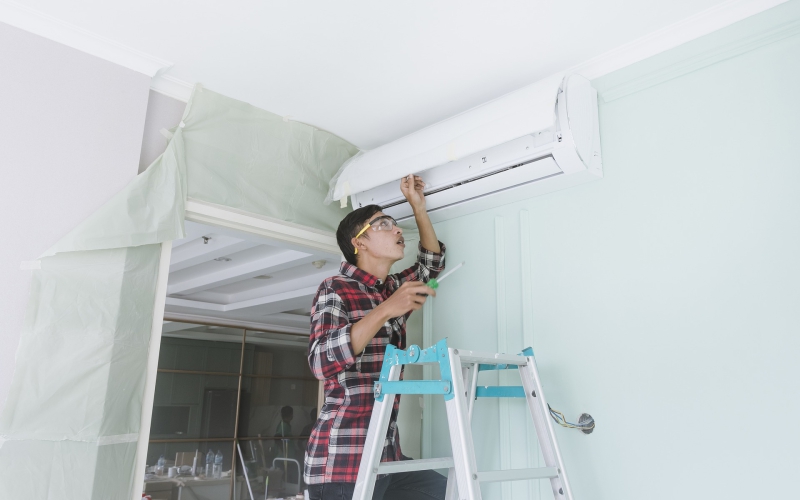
(231, 382)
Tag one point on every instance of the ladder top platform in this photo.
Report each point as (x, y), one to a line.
(437, 353)
(486, 358)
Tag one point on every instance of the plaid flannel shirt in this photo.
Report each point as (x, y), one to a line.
(337, 439)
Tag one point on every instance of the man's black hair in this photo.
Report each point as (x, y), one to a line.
(287, 411)
(350, 226)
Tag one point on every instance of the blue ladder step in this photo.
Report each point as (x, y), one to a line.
(499, 391)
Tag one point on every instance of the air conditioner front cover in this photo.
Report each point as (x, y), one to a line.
(522, 112)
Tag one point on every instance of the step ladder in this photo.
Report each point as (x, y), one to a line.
(460, 391)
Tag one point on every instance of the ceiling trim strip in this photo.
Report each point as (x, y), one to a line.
(172, 87)
(701, 60)
(55, 29)
(700, 24)
(313, 239)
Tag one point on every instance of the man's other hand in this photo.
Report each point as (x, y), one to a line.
(409, 297)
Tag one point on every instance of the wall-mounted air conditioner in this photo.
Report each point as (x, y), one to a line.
(539, 139)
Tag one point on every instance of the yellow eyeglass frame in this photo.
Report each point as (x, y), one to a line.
(369, 225)
(360, 233)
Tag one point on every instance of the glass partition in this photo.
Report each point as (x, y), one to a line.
(233, 393)
(279, 397)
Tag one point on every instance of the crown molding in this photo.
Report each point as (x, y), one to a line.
(701, 60)
(78, 38)
(700, 24)
(172, 87)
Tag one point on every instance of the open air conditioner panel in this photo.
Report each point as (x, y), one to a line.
(492, 184)
(564, 154)
(512, 155)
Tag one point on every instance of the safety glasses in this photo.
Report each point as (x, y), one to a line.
(382, 223)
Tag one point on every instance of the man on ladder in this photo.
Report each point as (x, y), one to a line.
(354, 316)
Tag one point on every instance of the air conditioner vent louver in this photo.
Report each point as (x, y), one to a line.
(467, 181)
(564, 153)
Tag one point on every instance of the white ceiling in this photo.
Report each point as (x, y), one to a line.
(219, 275)
(367, 71)
(374, 71)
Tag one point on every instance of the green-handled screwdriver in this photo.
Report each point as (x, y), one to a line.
(434, 283)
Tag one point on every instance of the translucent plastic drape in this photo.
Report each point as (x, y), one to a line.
(70, 426)
(72, 417)
(241, 156)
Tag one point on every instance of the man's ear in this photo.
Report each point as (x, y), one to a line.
(354, 241)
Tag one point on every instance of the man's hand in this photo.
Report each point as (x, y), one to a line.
(413, 188)
(409, 297)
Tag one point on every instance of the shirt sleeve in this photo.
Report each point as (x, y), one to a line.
(329, 349)
(429, 265)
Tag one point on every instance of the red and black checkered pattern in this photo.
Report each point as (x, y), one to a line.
(337, 439)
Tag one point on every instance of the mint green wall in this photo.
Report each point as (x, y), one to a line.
(665, 297)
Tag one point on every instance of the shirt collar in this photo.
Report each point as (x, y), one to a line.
(359, 275)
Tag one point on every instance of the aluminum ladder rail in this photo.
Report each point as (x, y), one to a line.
(460, 391)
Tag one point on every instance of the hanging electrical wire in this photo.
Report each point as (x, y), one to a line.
(562, 421)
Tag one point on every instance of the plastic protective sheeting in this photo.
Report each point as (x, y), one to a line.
(72, 418)
(229, 153)
(149, 210)
(244, 157)
(522, 112)
(70, 426)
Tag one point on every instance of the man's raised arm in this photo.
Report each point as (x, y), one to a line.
(413, 188)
